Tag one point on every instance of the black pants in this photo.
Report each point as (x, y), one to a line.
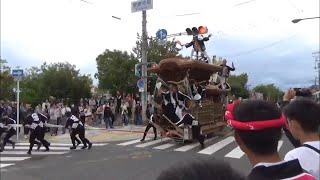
(26, 130)
(117, 109)
(38, 133)
(196, 134)
(170, 111)
(79, 130)
(113, 119)
(1, 132)
(76, 139)
(147, 129)
(9, 134)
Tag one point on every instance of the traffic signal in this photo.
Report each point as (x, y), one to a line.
(202, 30)
(149, 84)
(137, 70)
(195, 31)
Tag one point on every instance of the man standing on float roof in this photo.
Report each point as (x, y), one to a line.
(199, 46)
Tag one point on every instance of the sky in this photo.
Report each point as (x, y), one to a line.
(256, 35)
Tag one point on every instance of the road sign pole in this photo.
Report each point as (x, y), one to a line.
(144, 65)
(136, 6)
(18, 107)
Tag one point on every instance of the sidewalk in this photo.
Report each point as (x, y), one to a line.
(98, 135)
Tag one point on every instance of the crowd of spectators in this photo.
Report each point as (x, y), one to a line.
(120, 109)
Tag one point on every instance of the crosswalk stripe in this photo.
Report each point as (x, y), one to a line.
(42, 148)
(217, 146)
(33, 152)
(61, 144)
(131, 142)
(164, 146)
(192, 145)
(2, 159)
(279, 145)
(5, 165)
(187, 147)
(236, 153)
(152, 142)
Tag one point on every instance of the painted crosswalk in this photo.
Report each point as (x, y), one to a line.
(164, 146)
(217, 146)
(212, 146)
(150, 143)
(9, 157)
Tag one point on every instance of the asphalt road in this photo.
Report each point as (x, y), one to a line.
(123, 162)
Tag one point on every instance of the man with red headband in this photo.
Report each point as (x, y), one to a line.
(258, 128)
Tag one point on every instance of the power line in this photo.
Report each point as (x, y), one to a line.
(86, 1)
(244, 3)
(188, 14)
(294, 6)
(260, 48)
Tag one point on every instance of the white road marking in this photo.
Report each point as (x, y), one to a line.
(2, 159)
(217, 146)
(131, 142)
(42, 148)
(238, 153)
(5, 165)
(279, 145)
(33, 152)
(152, 142)
(192, 145)
(235, 153)
(61, 144)
(164, 146)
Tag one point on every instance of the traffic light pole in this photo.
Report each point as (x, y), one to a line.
(18, 107)
(144, 65)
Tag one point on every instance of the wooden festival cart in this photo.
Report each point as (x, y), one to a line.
(183, 72)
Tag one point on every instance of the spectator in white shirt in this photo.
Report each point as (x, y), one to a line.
(303, 117)
(64, 117)
(54, 114)
(88, 115)
(44, 104)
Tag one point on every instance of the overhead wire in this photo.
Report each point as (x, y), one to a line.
(86, 1)
(261, 48)
(294, 6)
(244, 3)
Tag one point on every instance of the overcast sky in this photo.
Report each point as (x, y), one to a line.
(258, 36)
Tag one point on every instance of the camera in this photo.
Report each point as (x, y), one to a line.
(303, 92)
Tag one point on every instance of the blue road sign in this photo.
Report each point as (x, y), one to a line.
(17, 73)
(162, 34)
(140, 83)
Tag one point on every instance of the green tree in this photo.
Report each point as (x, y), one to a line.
(155, 53)
(238, 85)
(269, 91)
(60, 80)
(6, 81)
(31, 88)
(116, 71)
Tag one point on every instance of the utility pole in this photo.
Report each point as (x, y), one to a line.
(144, 64)
(137, 6)
(316, 55)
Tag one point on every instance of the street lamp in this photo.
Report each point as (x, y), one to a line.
(115, 17)
(298, 20)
